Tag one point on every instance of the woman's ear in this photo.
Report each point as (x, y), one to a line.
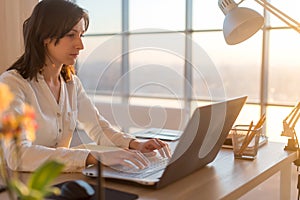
(46, 41)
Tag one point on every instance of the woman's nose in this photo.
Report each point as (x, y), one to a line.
(79, 44)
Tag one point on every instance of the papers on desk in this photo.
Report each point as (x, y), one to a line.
(163, 134)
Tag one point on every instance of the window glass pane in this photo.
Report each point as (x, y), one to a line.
(156, 65)
(284, 67)
(290, 7)
(275, 116)
(105, 15)
(207, 83)
(248, 113)
(207, 15)
(100, 67)
(156, 14)
(237, 65)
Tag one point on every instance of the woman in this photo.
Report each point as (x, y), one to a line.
(43, 78)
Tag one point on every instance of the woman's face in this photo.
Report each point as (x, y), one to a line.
(68, 47)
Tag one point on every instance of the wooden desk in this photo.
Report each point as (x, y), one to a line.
(225, 178)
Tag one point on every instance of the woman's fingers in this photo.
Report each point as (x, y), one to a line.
(128, 158)
(150, 154)
(138, 159)
(155, 144)
(165, 151)
(163, 148)
(134, 159)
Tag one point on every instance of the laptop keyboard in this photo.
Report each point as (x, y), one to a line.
(156, 164)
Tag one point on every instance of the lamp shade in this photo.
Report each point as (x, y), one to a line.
(240, 24)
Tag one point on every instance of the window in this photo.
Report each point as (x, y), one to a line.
(173, 54)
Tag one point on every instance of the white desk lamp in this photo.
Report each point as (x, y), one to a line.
(241, 23)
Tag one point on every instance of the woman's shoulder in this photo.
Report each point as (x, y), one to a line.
(14, 80)
(11, 75)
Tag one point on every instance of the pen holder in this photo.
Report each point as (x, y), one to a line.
(245, 141)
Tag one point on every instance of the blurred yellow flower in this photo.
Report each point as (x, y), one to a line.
(6, 97)
(12, 125)
(9, 126)
(29, 123)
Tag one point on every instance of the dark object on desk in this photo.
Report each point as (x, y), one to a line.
(71, 190)
(77, 190)
(2, 188)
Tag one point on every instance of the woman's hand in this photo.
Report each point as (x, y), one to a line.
(124, 157)
(148, 147)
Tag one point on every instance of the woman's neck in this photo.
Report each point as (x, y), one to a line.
(51, 74)
(52, 78)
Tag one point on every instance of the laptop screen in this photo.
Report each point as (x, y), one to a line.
(202, 138)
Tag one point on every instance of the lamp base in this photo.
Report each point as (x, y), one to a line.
(291, 145)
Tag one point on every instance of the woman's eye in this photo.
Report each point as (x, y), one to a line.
(71, 35)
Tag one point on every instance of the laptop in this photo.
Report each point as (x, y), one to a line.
(198, 145)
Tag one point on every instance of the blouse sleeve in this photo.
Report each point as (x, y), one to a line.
(95, 125)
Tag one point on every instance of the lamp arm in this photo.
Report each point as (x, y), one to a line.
(293, 117)
(295, 121)
(240, 2)
(292, 112)
(282, 16)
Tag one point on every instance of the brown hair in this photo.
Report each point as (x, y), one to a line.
(50, 19)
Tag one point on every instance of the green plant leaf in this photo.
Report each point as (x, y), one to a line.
(25, 193)
(19, 187)
(44, 175)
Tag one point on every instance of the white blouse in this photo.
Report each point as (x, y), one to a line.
(57, 122)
